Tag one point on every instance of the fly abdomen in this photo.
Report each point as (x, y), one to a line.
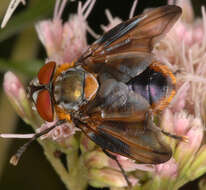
(150, 84)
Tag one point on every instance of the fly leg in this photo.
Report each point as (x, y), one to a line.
(16, 157)
(151, 125)
(120, 166)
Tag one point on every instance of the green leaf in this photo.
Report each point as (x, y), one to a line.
(28, 68)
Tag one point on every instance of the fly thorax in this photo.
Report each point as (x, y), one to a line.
(69, 89)
(74, 88)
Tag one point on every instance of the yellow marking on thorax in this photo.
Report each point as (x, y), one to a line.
(62, 115)
(91, 86)
(62, 68)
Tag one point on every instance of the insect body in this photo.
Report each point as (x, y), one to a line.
(112, 91)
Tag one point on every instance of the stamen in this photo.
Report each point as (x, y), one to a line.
(84, 6)
(182, 89)
(79, 9)
(204, 29)
(17, 136)
(56, 8)
(109, 15)
(61, 9)
(131, 14)
(184, 61)
(194, 78)
(12, 7)
(86, 14)
(87, 7)
(93, 34)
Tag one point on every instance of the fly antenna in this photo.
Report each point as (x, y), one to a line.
(16, 157)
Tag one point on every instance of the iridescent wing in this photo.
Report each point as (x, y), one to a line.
(130, 41)
(117, 123)
(115, 120)
(116, 115)
(130, 139)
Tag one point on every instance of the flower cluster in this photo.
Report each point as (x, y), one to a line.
(183, 50)
(65, 42)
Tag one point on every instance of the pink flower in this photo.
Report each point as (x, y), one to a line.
(186, 151)
(65, 42)
(179, 101)
(17, 96)
(59, 133)
(12, 85)
(109, 177)
(188, 60)
(168, 169)
(188, 13)
(182, 123)
(129, 165)
(184, 51)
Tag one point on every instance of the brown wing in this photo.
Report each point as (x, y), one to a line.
(115, 120)
(116, 55)
(137, 35)
(131, 140)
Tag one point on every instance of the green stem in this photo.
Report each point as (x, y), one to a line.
(78, 172)
(76, 178)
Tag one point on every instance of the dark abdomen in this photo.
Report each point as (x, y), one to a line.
(152, 85)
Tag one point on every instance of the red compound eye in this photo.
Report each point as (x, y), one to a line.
(44, 105)
(46, 72)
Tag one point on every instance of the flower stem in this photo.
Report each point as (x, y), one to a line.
(76, 178)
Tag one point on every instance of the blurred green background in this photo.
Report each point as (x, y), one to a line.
(21, 52)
